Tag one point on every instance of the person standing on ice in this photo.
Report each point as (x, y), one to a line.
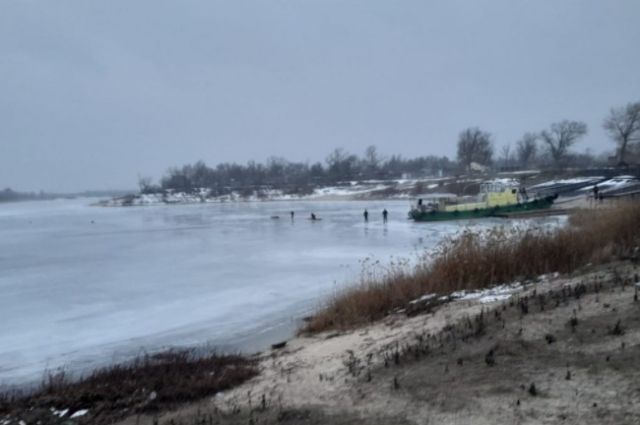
(385, 213)
(292, 214)
(366, 215)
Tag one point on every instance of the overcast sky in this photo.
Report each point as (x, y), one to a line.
(95, 93)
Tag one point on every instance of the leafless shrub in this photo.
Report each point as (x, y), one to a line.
(141, 386)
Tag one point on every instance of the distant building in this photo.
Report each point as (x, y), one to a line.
(474, 166)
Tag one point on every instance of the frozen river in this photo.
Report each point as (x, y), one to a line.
(81, 286)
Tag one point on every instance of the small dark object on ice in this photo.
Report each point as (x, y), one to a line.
(617, 329)
(278, 345)
(532, 389)
(568, 375)
(573, 322)
(550, 338)
(490, 359)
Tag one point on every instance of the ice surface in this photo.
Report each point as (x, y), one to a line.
(83, 286)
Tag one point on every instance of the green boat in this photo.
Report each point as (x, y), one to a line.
(497, 198)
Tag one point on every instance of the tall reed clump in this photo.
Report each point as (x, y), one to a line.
(147, 384)
(474, 260)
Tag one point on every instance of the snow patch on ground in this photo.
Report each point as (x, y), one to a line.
(423, 298)
(616, 183)
(572, 181)
(349, 191)
(548, 276)
(496, 293)
(60, 413)
(79, 413)
(488, 295)
(344, 191)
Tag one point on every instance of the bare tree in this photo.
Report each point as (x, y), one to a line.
(146, 184)
(561, 136)
(341, 165)
(505, 155)
(527, 148)
(623, 125)
(336, 156)
(371, 161)
(371, 156)
(474, 145)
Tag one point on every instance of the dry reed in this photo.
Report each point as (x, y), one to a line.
(474, 260)
(146, 385)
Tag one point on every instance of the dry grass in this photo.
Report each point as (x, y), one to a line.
(477, 260)
(145, 385)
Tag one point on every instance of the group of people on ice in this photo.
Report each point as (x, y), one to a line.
(313, 217)
(385, 215)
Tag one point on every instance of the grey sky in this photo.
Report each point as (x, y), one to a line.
(93, 93)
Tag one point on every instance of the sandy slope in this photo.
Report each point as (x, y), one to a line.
(455, 366)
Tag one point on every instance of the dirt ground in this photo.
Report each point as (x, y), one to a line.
(560, 350)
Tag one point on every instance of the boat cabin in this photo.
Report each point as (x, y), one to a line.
(493, 193)
(500, 192)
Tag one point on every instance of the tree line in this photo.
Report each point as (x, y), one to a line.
(551, 147)
(9, 195)
(296, 177)
(548, 148)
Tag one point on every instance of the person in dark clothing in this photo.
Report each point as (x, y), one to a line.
(292, 214)
(366, 216)
(313, 216)
(385, 213)
(596, 195)
(523, 195)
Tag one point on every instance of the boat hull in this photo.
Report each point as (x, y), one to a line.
(536, 204)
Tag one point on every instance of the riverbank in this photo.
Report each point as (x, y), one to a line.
(477, 260)
(149, 383)
(556, 349)
(553, 350)
(536, 184)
